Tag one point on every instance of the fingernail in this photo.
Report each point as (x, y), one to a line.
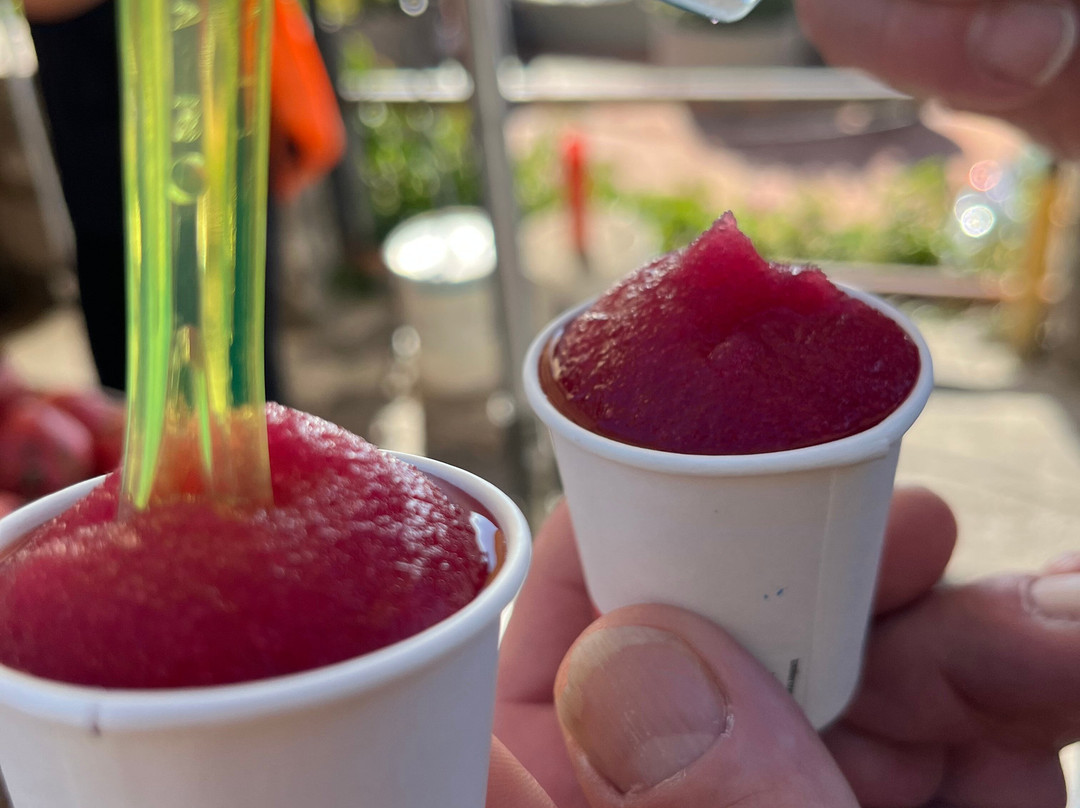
(640, 704)
(1057, 596)
(1027, 43)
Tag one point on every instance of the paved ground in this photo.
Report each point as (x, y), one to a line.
(1005, 456)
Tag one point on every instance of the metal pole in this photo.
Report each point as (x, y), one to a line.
(488, 41)
(488, 35)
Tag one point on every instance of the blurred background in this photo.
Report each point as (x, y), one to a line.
(507, 160)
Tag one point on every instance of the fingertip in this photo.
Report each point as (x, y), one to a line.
(555, 552)
(556, 527)
(810, 14)
(919, 541)
(552, 608)
(510, 785)
(917, 507)
(986, 56)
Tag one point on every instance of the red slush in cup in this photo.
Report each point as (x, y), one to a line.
(727, 432)
(336, 649)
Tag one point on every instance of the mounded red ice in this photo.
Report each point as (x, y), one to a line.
(361, 550)
(713, 350)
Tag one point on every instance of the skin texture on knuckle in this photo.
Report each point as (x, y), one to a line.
(970, 661)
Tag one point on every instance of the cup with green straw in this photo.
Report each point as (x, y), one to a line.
(405, 726)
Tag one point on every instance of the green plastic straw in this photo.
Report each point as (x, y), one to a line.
(195, 134)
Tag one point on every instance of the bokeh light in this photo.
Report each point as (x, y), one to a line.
(977, 220)
(984, 175)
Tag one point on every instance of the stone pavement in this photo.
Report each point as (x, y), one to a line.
(1009, 465)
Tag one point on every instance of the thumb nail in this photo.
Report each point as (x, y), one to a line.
(1024, 42)
(640, 704)
(1057, 596)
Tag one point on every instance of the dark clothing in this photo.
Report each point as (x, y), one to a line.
(81, 87)
(80, 83)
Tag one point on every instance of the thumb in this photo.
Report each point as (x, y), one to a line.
(662, 709)
(987, 55)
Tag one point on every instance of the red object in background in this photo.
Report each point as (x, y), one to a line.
(51, 440)
(360, 550)
(103, 415)
(575, 175)
(307, 134)
(9, 502)
(42, 449)
(11, 386)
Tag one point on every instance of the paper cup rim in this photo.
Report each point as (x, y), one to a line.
(873, 442)
(116, 710)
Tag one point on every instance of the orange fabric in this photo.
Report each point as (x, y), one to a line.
(307, 134)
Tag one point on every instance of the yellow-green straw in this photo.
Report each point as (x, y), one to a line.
(195, 132)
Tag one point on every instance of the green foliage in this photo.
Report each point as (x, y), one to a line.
(911, 230)
(917, 206)
(535, 179)
(358, 54)
(677, 218)
(337, 13)
(415, 157)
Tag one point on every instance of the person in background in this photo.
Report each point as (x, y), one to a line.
(80, 85)
(76, 43)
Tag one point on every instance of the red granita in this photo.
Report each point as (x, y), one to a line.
(712, 350)
(360, 550)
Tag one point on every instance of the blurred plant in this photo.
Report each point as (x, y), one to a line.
(989, 217)
(911, 230)
(414, 157)
(678, 218)
(335, 14)
(357, 53)
(536, 184)
(911, 226)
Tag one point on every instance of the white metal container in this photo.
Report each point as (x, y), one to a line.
(443, 263)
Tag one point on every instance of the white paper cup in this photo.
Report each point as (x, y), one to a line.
(408, 726)
(781, 548)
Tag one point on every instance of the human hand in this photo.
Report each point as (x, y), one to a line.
(967, 696)
(1016, 59)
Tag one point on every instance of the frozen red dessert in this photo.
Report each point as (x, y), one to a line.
(359, 551)
(713, 350)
